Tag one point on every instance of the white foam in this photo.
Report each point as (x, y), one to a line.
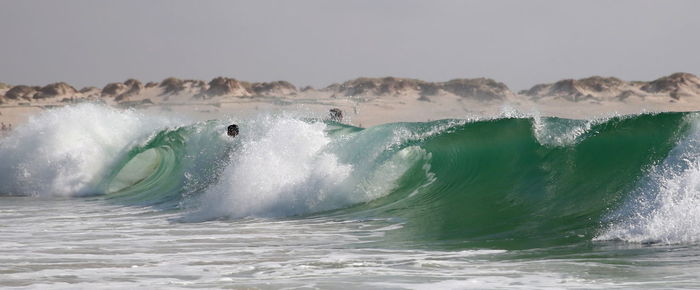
(561, 132)
(64, 151)
(285, 166)
(280, 169)
(666, 207)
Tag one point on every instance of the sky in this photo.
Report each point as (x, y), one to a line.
(320, 42)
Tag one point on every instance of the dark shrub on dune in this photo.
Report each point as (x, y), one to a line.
(54, 90)
(172, 85)
(21, 92)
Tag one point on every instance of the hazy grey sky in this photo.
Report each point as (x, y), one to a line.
(318, 42)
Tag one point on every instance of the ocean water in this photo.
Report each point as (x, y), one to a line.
(95, 197)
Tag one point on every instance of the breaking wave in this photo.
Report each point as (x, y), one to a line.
(509, 182)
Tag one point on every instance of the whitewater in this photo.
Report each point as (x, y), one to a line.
(98, 197)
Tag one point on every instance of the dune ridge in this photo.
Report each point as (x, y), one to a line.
(368, 101)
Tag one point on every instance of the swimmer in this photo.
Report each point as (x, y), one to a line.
(232, 130)
(336, 115)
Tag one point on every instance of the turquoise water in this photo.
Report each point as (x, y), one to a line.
(130, 200)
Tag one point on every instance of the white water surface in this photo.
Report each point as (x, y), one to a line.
(87, 244)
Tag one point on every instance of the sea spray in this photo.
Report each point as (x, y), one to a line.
(280, 169)
(66, 151)
(665, 208)
(287, 166)
(561, 132)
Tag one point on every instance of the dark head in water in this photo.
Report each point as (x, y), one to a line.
(232, 130)
(336, 115)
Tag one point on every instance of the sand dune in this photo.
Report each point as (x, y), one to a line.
(367, 101)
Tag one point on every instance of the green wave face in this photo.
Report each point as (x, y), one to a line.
(505, 183)
(496, 185)
(170, 166)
